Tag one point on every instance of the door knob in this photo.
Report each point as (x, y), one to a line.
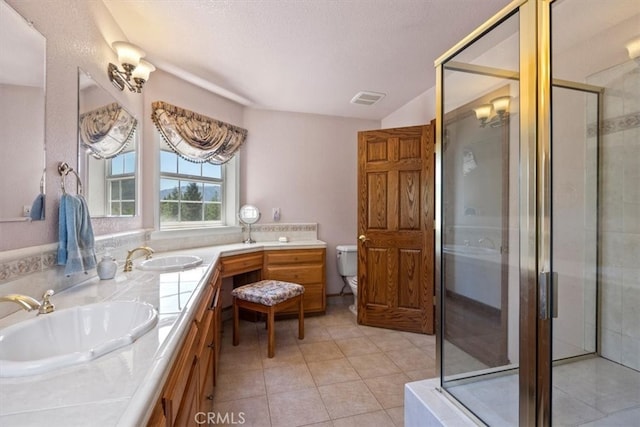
(363, 238)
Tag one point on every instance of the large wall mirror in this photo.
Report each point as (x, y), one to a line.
(22, 118)
(107, 151)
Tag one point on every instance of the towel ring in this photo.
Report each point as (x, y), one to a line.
(63, 170)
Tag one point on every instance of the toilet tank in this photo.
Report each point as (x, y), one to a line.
(347, 258)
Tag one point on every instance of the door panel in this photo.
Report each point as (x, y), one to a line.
(377, 199)
(395, 222)
(409, 198)
(410, 266)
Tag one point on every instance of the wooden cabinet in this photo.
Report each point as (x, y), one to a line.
(157, 418)
(189, 387)
(303, 266)
(242, 263)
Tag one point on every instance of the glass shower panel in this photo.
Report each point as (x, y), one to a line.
(595, 159)
(574, 210)
(480, 218)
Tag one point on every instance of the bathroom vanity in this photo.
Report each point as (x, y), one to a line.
(303, 266)
(167, 375)
(306, 267)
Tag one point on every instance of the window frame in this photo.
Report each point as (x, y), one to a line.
(230, 200)
(110, 178)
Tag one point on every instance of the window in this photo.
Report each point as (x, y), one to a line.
(196, 195)
(121, 185)
(191, 194)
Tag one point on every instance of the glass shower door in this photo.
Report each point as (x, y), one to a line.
(480, 225)
(552, 336)
(595, 156)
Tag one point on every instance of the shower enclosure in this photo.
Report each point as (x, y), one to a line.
(538, 214)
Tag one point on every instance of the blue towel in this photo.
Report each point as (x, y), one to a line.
(37, 208)
(76, 242)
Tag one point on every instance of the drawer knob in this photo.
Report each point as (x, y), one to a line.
(211, 346)
(210, 397)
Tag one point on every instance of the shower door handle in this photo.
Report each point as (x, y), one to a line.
(547, 295)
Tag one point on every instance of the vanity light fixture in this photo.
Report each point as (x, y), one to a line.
(633, 47)
(499, 108)
(136, 70)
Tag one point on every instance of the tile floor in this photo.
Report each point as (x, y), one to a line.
(342, 374)
(588, 392)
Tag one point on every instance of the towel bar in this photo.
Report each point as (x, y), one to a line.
(63, 170)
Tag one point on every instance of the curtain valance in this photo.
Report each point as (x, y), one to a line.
(195, 137)
(106, 130)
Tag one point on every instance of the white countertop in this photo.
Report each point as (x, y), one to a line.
(121, 387)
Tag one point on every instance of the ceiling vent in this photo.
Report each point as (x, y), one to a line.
(367, 98)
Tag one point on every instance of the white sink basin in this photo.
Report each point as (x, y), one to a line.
(70, 336)
(171, 263)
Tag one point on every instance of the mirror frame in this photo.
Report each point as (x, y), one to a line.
(249, 220)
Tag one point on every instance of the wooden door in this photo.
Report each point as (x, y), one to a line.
(395, 226)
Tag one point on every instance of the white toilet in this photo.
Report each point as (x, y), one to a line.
(347, 257)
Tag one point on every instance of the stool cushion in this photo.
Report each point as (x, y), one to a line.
(268, 292)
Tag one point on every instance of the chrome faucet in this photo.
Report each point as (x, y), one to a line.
(27, 303)
(128, 264)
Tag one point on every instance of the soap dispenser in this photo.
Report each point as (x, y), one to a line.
(107, 267)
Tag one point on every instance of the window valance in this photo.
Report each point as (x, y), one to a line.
(195, 137)
(106, 130)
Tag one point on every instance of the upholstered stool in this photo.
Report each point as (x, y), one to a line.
(269, 297)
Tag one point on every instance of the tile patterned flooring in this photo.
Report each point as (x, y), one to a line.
(342, 374)
(592, 392)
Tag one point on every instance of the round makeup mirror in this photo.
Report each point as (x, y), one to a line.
(248, 215)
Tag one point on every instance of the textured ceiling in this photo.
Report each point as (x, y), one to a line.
(303, 55)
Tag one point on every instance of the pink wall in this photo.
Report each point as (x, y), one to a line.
(419, 111)
(306, 165)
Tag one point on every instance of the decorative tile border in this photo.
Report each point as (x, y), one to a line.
(615, 124)
(282, 228)
(13, 269)
(41, 258)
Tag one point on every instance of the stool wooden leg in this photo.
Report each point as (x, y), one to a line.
(236, 338)
(301, 319)
(271, 331)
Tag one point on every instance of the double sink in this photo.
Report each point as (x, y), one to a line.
(83, 333)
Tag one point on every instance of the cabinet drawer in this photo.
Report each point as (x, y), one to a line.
(204, 304)
(158, 418)
(205, 334)
(297, 274)
(214, 279)
(180, 375)
(190, 401)
(206, 379)
(294, 257)
(313, 300)
(237, 264)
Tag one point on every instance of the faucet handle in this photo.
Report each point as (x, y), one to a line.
(46, 306)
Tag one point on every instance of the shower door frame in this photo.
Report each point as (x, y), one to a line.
(535, 359)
